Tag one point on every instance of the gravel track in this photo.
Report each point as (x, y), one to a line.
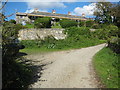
(67, 69)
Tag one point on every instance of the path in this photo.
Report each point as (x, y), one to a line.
(67, 69)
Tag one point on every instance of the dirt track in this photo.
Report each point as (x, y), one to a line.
(67, 69)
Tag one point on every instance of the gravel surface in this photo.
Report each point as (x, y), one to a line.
(66, 69)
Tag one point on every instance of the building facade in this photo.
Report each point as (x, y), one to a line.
(30, 17)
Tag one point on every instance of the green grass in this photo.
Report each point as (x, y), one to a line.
(31, 46)
(106, 66)
(29, 25)
(57, 25)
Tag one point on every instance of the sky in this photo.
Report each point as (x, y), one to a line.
(76, 8)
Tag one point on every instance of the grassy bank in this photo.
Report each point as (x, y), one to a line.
(106, 66)
(33, 47)
(76, 38)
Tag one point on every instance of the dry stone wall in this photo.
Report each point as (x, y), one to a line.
(32, 34)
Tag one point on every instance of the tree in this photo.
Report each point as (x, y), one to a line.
(12, 21)
(116, 14)
(103, 12)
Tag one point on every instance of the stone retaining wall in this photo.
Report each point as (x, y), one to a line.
(31, 34)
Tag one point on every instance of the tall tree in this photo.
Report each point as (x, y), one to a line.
(116, 14)
(103, 12)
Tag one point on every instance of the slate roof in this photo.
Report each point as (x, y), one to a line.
(46, 14)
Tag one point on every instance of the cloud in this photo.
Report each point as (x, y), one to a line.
(31, 10)
(64, 0)
(88, 10)
(46, 4)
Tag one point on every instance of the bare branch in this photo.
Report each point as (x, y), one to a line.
(9, 15)
(4, 5)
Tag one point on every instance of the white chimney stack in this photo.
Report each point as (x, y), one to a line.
(69, 13)
(53, 11)
(36, 10)
(83, 15)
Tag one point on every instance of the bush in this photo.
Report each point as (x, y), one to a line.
(16, 74)
(95, 26)
(48, 42)
(19, 26)
(68, 23)
(89, 23)
(29, 43)
(106, 32)
(101, 34)
(12, 21)
(75, 31)
(82, 23)
(29, 25)
(42, 22)
(113, 30)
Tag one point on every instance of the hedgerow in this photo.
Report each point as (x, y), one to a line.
(43, 22)
(68, 23)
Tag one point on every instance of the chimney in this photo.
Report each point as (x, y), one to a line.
(53, 11)
(36, 10)
(69, 13)
(83, 15)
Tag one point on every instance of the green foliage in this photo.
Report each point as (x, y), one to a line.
(106, 32)
(113, 30)
(95, 26)
(42, 22)
(114, 44)
(107, 67)
(82, 23)
(76, 38)
(12, 21)
(103, 12)
(89, 23)
(29, 25)
(73, 31)
(16, 74)
(68, 23)
(101, 34)
(57, 25)
(29, 43)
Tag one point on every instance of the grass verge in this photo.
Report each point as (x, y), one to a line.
(106, 66)
(31, 46)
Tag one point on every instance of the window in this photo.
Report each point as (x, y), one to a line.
(21, 16)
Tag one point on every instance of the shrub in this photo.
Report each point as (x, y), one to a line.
(101, 34)
(113, 30)
(48, 42)
(75, 31)
(89, 23)
(29, 25)
(82, 23)
(19, 26)
(16, 74)
(95, 26)
(42, 22)
(68, 23)
(12, 21)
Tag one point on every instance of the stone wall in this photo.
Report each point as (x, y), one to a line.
(31, 34)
